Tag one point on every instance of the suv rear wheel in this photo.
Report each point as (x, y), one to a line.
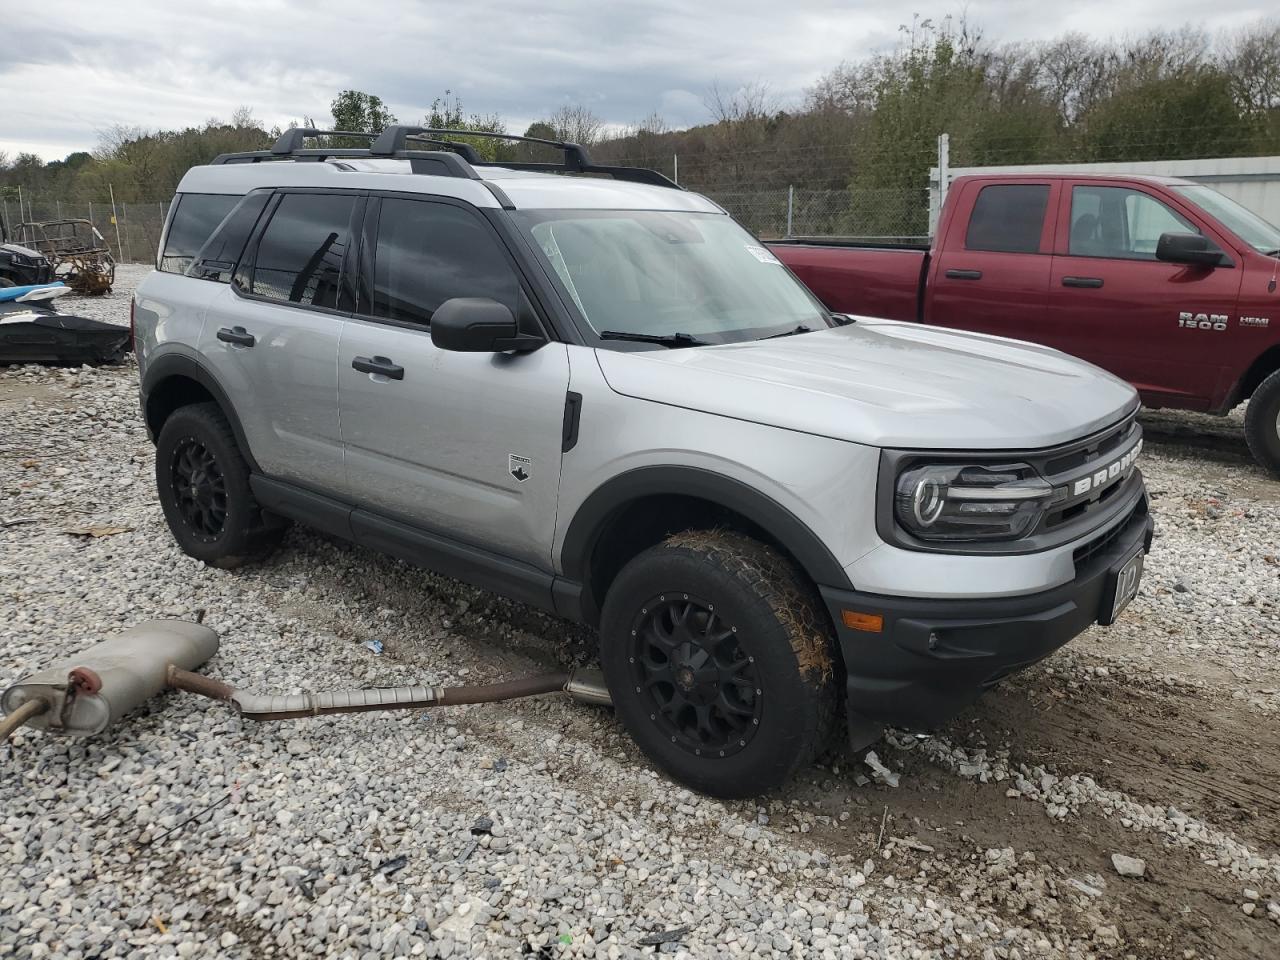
(718, 658)
(203, 484)
(1262, 423)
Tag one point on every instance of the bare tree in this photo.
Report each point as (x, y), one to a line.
(576, 124)
(750, 102)
(1253, 61)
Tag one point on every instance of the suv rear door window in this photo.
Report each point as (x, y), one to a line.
(427, 253)
(1119, 223)
(195, 217)
(300, 255)
(1008, 218)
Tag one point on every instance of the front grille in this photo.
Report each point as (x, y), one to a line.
(1086, 462)
(1101, 543)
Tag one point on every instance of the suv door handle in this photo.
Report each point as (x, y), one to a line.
(380, 365)
(237, 335)
(964, 274)
(1091, 282)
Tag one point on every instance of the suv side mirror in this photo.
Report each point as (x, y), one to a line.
(1189, 248)
(479, 325)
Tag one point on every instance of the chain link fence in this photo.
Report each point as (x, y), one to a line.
(887, 215)
(132, 233)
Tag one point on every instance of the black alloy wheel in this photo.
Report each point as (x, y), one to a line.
(199, 489)
(703, 688)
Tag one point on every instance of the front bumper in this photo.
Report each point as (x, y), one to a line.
(934, 657)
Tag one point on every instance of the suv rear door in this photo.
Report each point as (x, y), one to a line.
(272, 334)
(990, 272)
(1161, 326)
(464, 444)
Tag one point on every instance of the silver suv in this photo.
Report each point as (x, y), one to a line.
(589, 390)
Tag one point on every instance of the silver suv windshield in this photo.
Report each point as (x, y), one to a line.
(653, 273)
(1241, 221)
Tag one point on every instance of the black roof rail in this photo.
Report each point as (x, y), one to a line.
(576, 158)
(457, 159)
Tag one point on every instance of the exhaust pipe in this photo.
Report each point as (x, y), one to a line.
(83, 695)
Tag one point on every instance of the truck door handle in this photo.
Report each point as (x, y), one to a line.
(964, 274)
(1091, 282)
(237, 335)
(380, 365)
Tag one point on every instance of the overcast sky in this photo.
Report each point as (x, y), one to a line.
(70, 68)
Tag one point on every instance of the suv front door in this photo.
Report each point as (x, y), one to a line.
(272, 335)
(464, 445)
(1164, 327)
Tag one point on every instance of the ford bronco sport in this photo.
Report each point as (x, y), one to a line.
(589, 390)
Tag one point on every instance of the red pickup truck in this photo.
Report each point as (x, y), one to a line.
(1166, 283)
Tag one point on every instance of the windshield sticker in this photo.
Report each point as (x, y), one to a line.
(762, 254)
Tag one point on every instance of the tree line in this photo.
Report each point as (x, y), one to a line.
(867, 128)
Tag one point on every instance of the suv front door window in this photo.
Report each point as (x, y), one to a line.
(464, 442)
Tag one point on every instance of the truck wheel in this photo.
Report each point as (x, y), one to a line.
(1262, 423)
(203, 484)
(718, 657)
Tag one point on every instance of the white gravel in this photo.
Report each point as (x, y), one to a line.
(185, 831)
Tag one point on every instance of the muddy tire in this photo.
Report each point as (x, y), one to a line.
(202, 481)
(718, 656)
(1262, 424)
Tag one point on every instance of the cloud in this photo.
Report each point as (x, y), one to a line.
(69, 68)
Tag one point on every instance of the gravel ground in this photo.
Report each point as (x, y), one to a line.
(186, 831)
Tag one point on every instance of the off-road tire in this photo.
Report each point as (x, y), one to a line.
(776, 622)
(245, 532)
(1260, 423)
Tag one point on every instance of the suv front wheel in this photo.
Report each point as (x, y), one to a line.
(203, 485)
(718, 658)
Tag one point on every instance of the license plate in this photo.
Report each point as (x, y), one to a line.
(1127, 579)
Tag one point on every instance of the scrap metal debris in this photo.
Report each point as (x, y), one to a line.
(388, 867)
(664, 936)
(879, 772)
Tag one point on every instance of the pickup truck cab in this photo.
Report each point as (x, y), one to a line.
(1164, 282)
(604, 398)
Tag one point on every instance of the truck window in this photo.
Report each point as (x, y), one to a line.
(300, 255)
(428, 253)
(195, 216)
(1119, 223)
(1008, 218)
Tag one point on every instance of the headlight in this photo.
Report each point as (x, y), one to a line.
(970, 501)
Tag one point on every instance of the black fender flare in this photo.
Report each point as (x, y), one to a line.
(172, 365)
(603, 505)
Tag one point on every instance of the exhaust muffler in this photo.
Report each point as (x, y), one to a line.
(84, 694)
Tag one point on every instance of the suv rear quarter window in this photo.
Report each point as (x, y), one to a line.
(195, 217)
(1008, 218)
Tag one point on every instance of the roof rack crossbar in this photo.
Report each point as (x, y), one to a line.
(461, 157)
(292, 140)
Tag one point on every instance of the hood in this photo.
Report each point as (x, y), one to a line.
(886, 384)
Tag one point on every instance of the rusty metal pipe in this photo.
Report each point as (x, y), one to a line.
(263, 706)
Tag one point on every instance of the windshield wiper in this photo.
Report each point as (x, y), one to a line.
(1272, 253)
(788, 333)
(669, 340)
